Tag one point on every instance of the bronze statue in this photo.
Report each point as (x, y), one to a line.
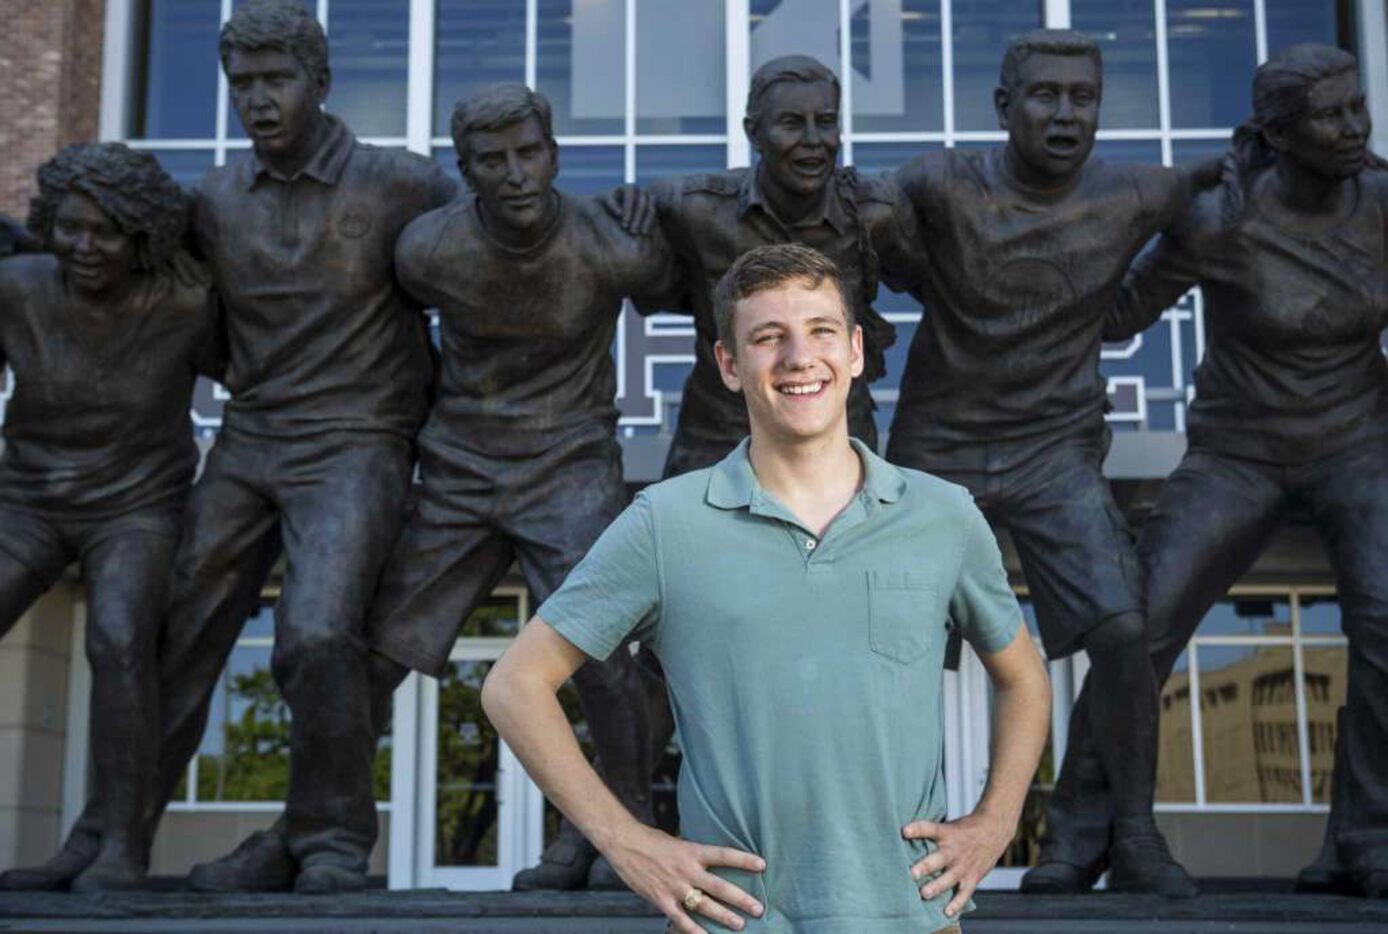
(1026, 246)
(105, 342)
(796, 194)
(518, 456)
(329, 370)
(1291, 407)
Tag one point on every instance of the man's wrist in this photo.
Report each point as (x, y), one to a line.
(619, 831)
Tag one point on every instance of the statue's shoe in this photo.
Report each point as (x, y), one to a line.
(261, 863)
(1054, 877)
(109, 875)
(1326, 877)
(1373, 884)
(53, 876)
(1140, 863)
(324, 879)
(564, 866)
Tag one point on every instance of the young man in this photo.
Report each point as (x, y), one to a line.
(1002, 394)
(329, 372)
(518, 455)
(798, 595)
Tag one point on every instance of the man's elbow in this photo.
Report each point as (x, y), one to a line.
(499, 692)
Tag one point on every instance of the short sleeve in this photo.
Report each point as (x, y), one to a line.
(983, 608)
(614, 593)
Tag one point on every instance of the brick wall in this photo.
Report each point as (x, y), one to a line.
(50, 87)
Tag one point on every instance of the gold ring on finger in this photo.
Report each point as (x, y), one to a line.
(692, 899)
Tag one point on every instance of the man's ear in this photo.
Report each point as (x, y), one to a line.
(727, 366)
(855, 341)
(323, 84)
(462, 170)
(749, 126)
(1277, 137)
(1002, 99)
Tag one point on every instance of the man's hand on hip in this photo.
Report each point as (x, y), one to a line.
(673, 875)
(967, 849)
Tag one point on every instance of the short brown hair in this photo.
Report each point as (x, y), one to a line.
(767, 267)
(496, 107)
(279, 26)
(1047, 42)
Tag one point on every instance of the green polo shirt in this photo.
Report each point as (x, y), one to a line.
(805, 674)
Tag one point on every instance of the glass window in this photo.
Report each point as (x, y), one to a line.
(897, 65)
(469, 751)
(1325, 675)
(368, 44)
(581, 65)
(795, 27)
(982, 30)
(1175, 756)
(1249, 616)
(872, 158)
(186, 166)
(1126, 33)
(1184, 151)
(1320, 615)
(676, 91)
(654, 162)
(175, 85)
(1211, 52)
(1248, 723)
(590, 170)
(476, 43)
(1140, 151)
(1293, 21)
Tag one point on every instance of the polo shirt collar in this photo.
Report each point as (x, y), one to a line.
(831, 211)
(327, 163)
(732, 484)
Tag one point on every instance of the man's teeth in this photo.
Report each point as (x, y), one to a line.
(806, 389)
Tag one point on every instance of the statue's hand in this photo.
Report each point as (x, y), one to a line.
(15, 238)
(632, 207)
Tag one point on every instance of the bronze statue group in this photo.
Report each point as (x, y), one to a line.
(299, 278)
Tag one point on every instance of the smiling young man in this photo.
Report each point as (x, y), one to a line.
(798, 595)
(1002, 394)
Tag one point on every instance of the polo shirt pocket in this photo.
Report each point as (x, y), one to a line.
(899, 607)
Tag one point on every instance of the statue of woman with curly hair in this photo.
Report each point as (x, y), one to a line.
(1290, 409)
(105, 343)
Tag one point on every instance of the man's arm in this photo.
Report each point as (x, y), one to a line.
(970, 847)
(519, 697)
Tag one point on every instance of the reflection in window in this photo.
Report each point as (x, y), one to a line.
(580, 64)
(795, 27)
(187, 167)
(1212, 53)
(1175, 746)
(1248, 723)
(897, 64)
(1320, 615)
(175, 85)
(465, 817)
(1126, 33)
(1185, 151)
(590, 170)
(368, 44)
(872, 158)
(1248, 616)
(653, 162)
(1293, 21)
(679, 92)
(982, 30)
(477, 43)
(1325, 676)
(1139, 151)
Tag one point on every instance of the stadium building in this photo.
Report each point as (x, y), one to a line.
(643, 89)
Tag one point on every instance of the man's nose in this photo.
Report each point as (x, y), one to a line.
(1065, 111)
(796, 352)
(84, 242)
(515, 172)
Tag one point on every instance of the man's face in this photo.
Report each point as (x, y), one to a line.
(512, 171)
(96, 255)
(794, 361)
(276, 99)
(1051, 113)
(1331, 137)
(797, 135)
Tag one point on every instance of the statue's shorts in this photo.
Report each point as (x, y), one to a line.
(1076, 550)
(476, 514)
(47, 545)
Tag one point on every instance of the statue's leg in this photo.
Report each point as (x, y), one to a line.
(22, 581)
(571, 496)
(229, 543)
(1348, 495)
(126, 565)
(342, 502)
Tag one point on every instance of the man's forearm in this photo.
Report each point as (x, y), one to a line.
(1021, 721)
(529, 718)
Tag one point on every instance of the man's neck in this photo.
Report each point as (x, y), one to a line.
(521, 238)
(1026, 180)
(1302, 191)
(815, 479)
(291, 163)
(788, 207)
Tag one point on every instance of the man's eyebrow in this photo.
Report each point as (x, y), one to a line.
(827, 319)
(766, 326)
